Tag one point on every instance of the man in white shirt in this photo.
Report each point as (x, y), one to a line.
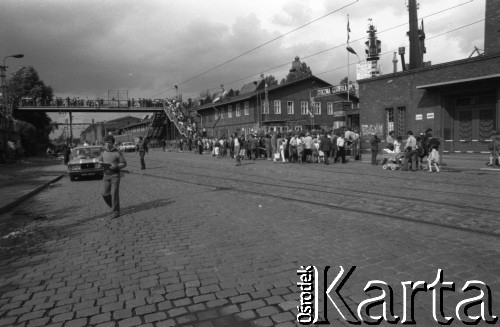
(308, 144)
(340, 148)
(410, 152)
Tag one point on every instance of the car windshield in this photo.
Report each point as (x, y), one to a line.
(86, 152)
(128, 143)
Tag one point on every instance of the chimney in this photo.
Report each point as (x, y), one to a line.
(416, 56)
(492, 27)
(395, 63)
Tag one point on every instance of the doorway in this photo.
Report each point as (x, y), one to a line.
(474, 121)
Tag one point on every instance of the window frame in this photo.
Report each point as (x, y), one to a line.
(329, 108)
(246, 108)
(238, 110)
(304, 108)
(290, 109)
(317, 108)
(277, 107)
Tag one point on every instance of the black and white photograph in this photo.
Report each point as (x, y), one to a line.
(228, 163)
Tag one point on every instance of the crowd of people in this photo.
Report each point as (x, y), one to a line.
(287, 147)
(91, 103)
(419, 152)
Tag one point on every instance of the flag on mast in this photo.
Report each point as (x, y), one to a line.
(351, 50)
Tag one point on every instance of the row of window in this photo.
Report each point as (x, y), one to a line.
(290, 109)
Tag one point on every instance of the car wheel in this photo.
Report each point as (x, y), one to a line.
(72, 178)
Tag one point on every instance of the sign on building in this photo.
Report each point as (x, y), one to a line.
(363, 70)
(342, 88)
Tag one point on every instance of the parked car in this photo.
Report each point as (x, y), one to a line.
(84, 162)
(127, 147)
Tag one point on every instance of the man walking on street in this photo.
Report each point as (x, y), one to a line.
(112, 160)
(142, 148)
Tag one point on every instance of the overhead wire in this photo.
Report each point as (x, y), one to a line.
(258, 47)
(391, 51)
(342, 45)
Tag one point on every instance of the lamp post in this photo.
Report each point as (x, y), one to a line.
(3, 70)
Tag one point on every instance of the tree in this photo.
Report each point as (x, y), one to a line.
(270, 80)
(26, 83)
(343, 81)
(299, 71)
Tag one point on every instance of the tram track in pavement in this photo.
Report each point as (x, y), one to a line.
(204, 180)
(336, 190)
(388, 176)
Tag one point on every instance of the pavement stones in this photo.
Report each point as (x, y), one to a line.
(185, 254)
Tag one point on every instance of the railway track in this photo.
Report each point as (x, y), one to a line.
(254, 184)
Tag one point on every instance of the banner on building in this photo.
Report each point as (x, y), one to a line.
(342, 88)
(363, 70)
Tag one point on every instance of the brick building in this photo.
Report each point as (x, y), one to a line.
(286, 107)
(96, 132)
(459, 100)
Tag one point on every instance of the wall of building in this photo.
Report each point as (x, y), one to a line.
(399, 90)
(297, 93)
(492, 27)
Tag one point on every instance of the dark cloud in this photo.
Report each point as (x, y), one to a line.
(89, 47)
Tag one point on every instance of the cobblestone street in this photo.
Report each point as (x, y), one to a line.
(201, 242)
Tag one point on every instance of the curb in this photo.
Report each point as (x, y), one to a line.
(29, 194)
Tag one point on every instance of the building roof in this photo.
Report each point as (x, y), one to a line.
(252, 87)
(257, 90)
(458, 81)
(484, 57)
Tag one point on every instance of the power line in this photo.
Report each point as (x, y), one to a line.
(391, 51)
(258, 47)
(311, 55)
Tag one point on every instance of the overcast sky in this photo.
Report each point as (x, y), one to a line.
(85, 48)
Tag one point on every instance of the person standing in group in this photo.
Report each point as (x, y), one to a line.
(267, 145)
(308, 146)
(142, 148)
(410, 152)
(433, 159)
(237, 145)
(325, 145)
(341, 141)
(254, 146)
(374, 143)
(112, 161)
(274, 144)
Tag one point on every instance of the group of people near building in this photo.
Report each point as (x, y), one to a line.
(287, 147)
(416, 150)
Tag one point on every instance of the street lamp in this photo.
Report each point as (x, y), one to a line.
(3, 70)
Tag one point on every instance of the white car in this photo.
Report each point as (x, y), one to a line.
(127, 147)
